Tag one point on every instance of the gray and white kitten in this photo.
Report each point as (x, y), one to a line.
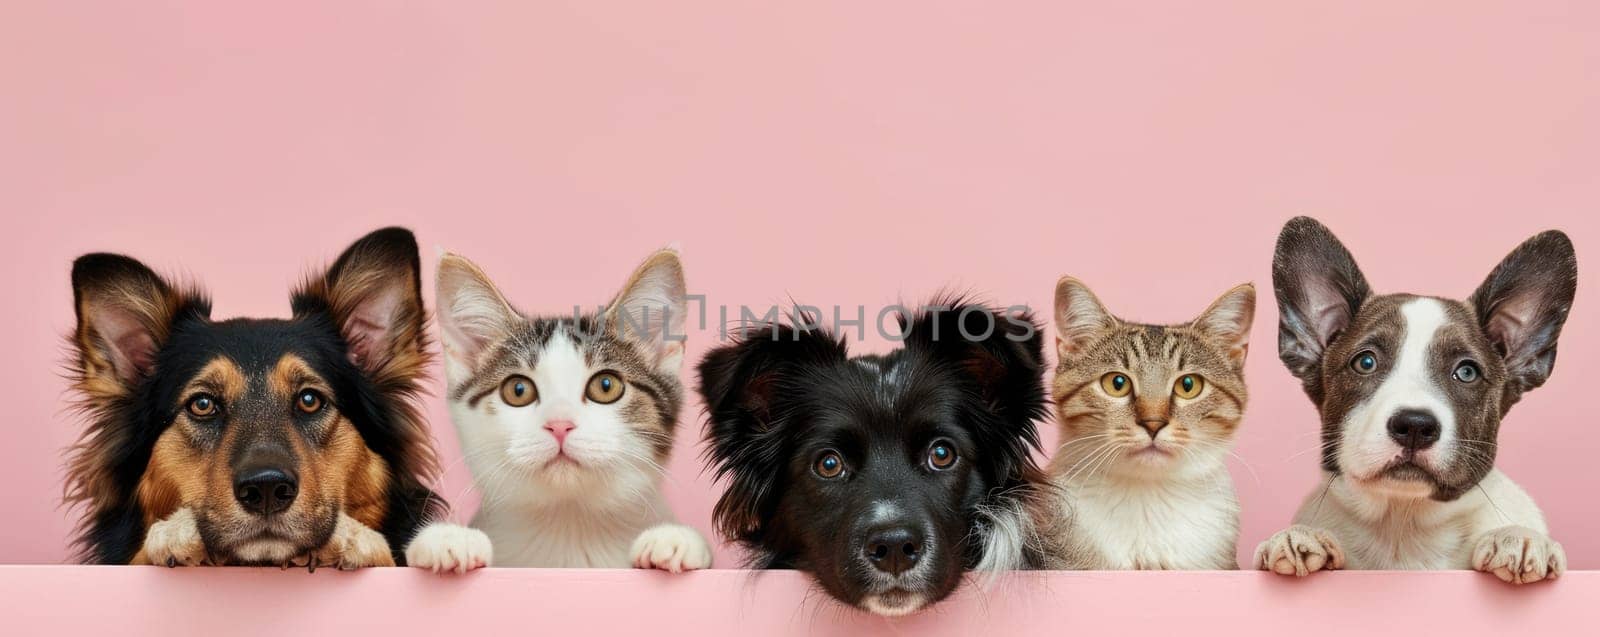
(566, 423)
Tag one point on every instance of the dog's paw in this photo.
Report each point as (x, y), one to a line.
(449, 547)
(1300, 550)
(1519, 555)
(353, 545)
(671, 547)
(175, 541)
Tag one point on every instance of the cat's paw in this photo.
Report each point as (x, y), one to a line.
(1519, 555)
(175, 541)
(1300, 550)
(443, 548)
(353, 545)
(671, 547)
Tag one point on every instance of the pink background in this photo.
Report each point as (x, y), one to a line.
(143, 601)
(839, 153)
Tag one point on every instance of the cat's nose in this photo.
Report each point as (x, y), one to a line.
(1153, 427)
(560, 429)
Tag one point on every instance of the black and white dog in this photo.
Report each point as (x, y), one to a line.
(886, 477)
(1411, 390)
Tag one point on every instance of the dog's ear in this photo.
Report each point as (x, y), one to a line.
(651, 308)
(1523, 304)
(1080, 318)
(743, 385)
(1000, 353)
(1319, 289)
(1227, 322)
(373, 293)
(473, 314)
(125, 313)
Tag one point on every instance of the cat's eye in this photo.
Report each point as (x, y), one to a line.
(1365, 363)
(1188, 386)
(518, 391)
(309, 401)
(942, 455)
(604, 388)
(202, 406)
(1467, 372)
(1117, 384)
(829, 465)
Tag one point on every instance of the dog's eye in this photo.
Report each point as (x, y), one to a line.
(1467, 372)
(605, 388)
(202, 406)
(941, 456)
(309, 401)
(1117, 384)
(829, 465)
(1188, 386)
(1365, 363)
(518, 391)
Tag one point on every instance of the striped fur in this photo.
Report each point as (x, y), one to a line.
(1141, 476)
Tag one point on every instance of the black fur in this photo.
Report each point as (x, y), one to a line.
(114, 527)
(781, 395)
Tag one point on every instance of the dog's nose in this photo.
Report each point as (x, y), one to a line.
(894, 550)
(1414, 429)
(265, 491)
(1154, 427)
(560, 429)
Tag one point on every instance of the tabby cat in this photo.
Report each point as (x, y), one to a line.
(1147, 416)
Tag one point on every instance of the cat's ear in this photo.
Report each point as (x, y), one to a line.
(1080, 318)
(373, 293)
(1319, 289)
(125, 314)
(1523, 304)
(650, 311)
(473, 314)
(1227, 322)
(742, 385)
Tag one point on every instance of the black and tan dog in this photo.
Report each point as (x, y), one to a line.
(252, 441)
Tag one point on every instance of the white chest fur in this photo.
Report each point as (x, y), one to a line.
(1186, 525)
(565, 535)
(1390, 531)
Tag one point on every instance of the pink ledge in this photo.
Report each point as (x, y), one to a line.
(213, 601)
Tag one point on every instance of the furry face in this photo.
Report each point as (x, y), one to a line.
(566, 422)
(263, 433)
(1146, 400)
(1412, 389)
(567, 404)
(884, 476)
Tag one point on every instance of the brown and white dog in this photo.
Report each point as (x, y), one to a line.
(252, 441)
(1411, 390)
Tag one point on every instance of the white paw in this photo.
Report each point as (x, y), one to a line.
(1300, 550)
(449, 547)
(1519, 555)
(671, 547)
(175, 541)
